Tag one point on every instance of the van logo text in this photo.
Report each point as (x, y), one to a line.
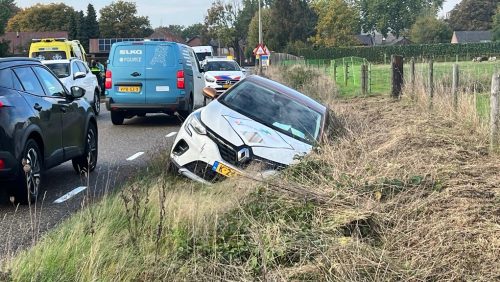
(130, 52)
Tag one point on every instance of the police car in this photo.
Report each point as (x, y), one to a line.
(221, 73)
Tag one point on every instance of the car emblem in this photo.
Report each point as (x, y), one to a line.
(228, 81)
(243, 155)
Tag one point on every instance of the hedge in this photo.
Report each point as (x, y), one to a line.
(381, 53)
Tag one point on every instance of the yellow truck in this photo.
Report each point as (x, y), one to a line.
(57, 49)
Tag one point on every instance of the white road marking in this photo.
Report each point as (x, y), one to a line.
(70, 195)
(171, 134)
(135, 156)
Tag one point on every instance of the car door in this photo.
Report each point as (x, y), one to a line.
(73, 116)
(128, 72)
(198, 81)
(161, 70)
(47, 115)
(88, 82)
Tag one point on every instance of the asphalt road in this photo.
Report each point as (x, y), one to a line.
(116, 145)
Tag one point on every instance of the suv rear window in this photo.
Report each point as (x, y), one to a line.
(49, 55)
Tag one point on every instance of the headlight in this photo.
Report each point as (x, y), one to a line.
(210, 79)
(195, 124)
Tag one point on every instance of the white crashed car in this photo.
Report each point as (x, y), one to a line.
(221, 73)
(75, 72)
(257, 121)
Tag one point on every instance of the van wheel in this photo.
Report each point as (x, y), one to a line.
(190, 106)
(117, 117)
(29, 181)
(97, 103)
(88, 161)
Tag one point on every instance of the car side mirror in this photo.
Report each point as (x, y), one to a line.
(243, 70)
(79, 75)
(210, 93)
(76, 92)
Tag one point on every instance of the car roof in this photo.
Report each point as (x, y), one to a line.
(66, 61)
(16, 61)
(289, 92)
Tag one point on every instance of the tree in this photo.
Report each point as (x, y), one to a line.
(91, 24)
(389, 16)
(50, 17)
(72, 27)
(429, 30)
(81, 30)
(473, 15)
(220, 23)
(496, 25)
(338, 22)
(253, 32)
(196, 30)
(8, 9)
(291, 21)
(176, 29)
(119, 19)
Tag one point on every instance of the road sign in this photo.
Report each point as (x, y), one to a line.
(261, 50)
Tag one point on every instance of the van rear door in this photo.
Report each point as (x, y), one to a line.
(161, 71)
(129, 73)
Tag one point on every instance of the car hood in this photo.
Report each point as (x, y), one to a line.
(240, 130)
(226, 75)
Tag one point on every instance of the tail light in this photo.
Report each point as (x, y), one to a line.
(180, 79)
(2, 164)
(1, 104)
(109, 82)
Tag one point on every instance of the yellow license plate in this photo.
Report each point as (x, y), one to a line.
(224, 170)
(134, 89)
(226, 86)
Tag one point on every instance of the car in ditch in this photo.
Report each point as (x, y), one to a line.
(75, 72)
(258, 121)
(42, 125)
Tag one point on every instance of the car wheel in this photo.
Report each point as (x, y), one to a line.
(189, 110)
(88, 161)
(29, 181)
(117, 117)
(97, 103)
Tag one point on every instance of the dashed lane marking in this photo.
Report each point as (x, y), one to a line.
(70, 195)
(135, 156)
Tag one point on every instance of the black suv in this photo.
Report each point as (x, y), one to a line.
(42, 125)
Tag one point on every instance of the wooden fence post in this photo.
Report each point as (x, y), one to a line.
(454, 88)
(334, 70)
(431, 82)
(369, 78)
(346, 72)
(364, 79)
(494, 112)
(412, 74)
(397, 75)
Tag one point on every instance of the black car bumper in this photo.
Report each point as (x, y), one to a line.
(150, 108)
(9, 170)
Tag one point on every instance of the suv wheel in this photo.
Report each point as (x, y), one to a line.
(117, 117)
(190, 105)
(29, 181)
(97, 103)
(88, 161)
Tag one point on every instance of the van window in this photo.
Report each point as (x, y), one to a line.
(129, 56)
(160, 55)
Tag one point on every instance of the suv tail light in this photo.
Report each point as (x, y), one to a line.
(2, 164)
(180, 79)
(109, 82)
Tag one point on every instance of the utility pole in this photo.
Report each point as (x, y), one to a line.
(260, 40)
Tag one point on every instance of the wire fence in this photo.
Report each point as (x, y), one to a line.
(347, 73)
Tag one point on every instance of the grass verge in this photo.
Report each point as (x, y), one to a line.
(402, 192)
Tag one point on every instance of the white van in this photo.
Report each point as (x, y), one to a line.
(203, 51)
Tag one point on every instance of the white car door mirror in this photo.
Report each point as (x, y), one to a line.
(79, 75)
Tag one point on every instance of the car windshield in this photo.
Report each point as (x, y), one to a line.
(274, 110)
(49, 55)
(221, 66)
(60, 69)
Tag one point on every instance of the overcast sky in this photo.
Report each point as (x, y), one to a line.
(167, 12)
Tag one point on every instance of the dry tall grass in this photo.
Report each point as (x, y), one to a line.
(402, 192)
